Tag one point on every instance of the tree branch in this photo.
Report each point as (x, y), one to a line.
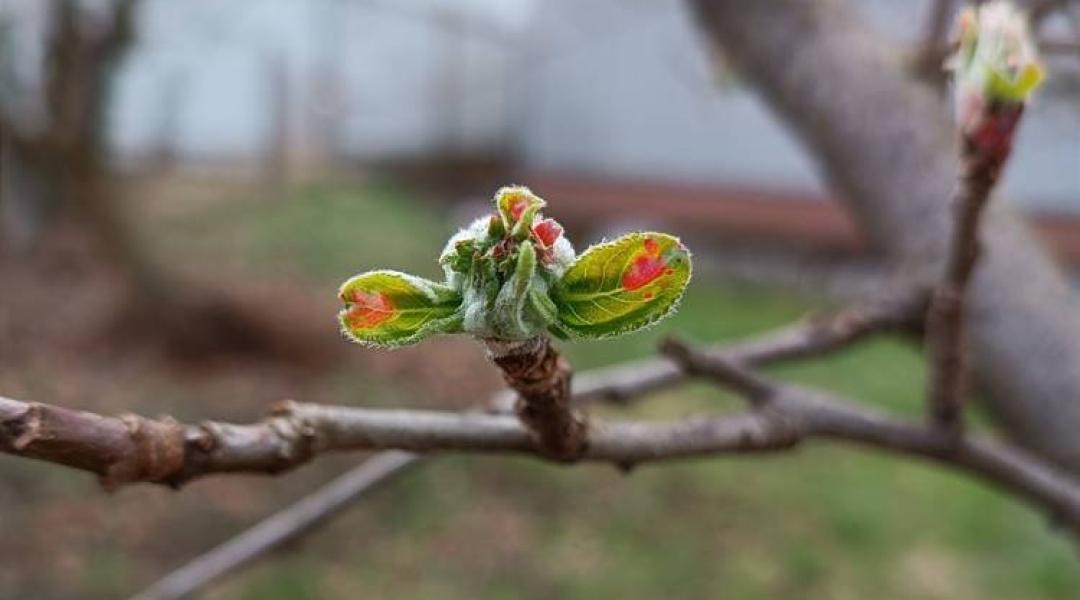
(541, 377)
(900, 310)
(305, 515)
(945, 321)
(166, 452)
(885, 145)
(618, 384)
(131, 448)
(815, 414)
(127, 449)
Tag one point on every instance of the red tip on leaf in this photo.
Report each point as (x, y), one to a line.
(369, 310)
(518, 204)
(645, 268)
(547, 232)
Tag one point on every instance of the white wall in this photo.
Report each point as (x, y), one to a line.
(632, 94)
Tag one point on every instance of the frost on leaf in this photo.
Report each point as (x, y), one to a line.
(622, 286)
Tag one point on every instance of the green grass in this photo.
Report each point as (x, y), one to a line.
(825, 521)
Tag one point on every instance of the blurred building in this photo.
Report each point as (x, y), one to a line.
(565, 91)
(604, 88)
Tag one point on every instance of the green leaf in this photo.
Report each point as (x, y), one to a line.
(516, 205)
(1002, 88)
(388, 308)
(509, 310)
(622, 286)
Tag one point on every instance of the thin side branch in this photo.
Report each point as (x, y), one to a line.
(720, 369)
(305, 515)
(816, 414)
(895, 311)
(979, 172)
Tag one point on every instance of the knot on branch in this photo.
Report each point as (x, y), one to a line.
(541, 377)
(157, 452)
(298, 436)
(24, 428)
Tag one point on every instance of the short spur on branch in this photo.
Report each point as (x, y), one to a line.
(995, 70)
(512, 278)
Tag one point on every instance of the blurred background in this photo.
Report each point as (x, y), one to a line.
(184, 185)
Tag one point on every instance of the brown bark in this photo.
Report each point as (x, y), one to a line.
(619, 384)
(945, 327)
(67, 155)
(883, 142)
(67, 158)
(541, 377)
(129, 449)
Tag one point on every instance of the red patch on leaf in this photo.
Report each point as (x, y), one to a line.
(547, 232)
(645, 268)
(369, 310)
(518, 204)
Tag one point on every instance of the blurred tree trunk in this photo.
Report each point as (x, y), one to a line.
(63, 158)
(885, 145)
(62, 163)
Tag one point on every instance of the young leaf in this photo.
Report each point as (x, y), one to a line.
(517, 204)
(387, 308)
(621, 286)
(510, 303)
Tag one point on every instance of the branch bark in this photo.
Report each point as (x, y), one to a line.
(541, 377)
(815, 414)
(289, 524)
(883, 142)
(131, 448)
(128, 449)
(297, 432)
(980, 167)
(620, 384)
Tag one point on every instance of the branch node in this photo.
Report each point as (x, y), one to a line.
(297, 434)
(204, 437)
(158, 452)
(721, 369)
(541, 377)
(29, 426)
